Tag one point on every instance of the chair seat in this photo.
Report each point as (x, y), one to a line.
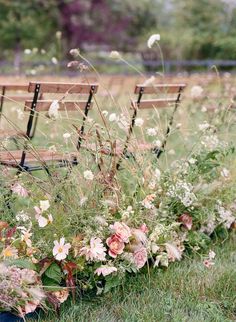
(13, 158)
(10, 133)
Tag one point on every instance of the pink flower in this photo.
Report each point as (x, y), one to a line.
(19, 190)
(116, 246)
(186, 220)
(144, 228)
(105, 270)
(30, 307)
(173, 252)
(95, 250)
(122, 231)
(140, 257)
(208, 263)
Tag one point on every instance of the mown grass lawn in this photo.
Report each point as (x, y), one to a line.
(186, 291)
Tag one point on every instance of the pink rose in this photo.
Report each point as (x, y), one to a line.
(122, 231)
(116, 246)
(140, 257)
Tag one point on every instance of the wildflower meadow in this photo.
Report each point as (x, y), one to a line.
(120, 205)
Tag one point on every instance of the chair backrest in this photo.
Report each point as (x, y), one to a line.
(168, 94)
(65, 102)
(13, 93)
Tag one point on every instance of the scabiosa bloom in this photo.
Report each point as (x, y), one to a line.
(88, 175)
(152, 39)
(95, 251)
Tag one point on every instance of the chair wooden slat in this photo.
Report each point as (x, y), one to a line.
(72, 88)
(154, 103)
(13, 158)
(44, 105)
(159, 89)
(14, 87)
(10, 133)
(18, 98)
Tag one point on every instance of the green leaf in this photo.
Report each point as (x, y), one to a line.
(112, 282)
(54, 272)
(21, 263)
(49, 284)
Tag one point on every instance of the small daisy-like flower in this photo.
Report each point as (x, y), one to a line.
(60, 249)
(151, 132)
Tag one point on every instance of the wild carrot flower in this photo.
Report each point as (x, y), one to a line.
(152, 39)
(88, 175)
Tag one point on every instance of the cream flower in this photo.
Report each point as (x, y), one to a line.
(60, 249)
(152, 39)
(196, 91)
(74, 52)
(115, 55)
(105, 270)
(10, 252)
(88, 175)
(44, 205)
(151, 132)
(139, 122)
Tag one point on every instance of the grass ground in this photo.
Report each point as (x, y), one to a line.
(186, 291)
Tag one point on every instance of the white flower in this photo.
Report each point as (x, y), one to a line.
(196, 91)
(53, 110)
(54, 60)
(204, 109)
(27, 51)
(74, 52)
(43, 51)
(88, 175)
(192, 161)
(105, 113)
(22, 216)
(139, 122)
(157, 174)
(152, 39)
(171, 152)
(115, 55)
(66, 136)
(157, 144)
(60, 249)
(25, 237)
(58, 34)
(95, 250)
(225, 173)
(211, 254)
(105, 270)
(204, 126)
(151, 132)
(44, 205)
(42, 221)
(113, 117)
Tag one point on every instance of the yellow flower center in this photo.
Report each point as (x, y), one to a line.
(60, 250)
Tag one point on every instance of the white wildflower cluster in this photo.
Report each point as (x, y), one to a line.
(209, 226)
(127, 212)
(183, 191)
(148, 201)
(151, 132)
(210, 142)
(204, 126)
(22, 216)
(226, 216)
(121, 120)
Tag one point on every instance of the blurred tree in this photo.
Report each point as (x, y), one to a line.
(112, 24)
(202, 26)
(26, 24)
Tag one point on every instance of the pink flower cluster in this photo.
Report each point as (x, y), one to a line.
(121, 235)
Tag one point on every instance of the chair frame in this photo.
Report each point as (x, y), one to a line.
(144, 89)
(35, 87)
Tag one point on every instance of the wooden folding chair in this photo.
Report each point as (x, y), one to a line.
(160, 102)
(32, 160)
(14, 93)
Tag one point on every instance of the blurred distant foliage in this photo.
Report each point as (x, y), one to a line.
(189, 29)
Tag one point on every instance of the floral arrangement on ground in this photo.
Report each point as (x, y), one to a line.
(61, 238)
